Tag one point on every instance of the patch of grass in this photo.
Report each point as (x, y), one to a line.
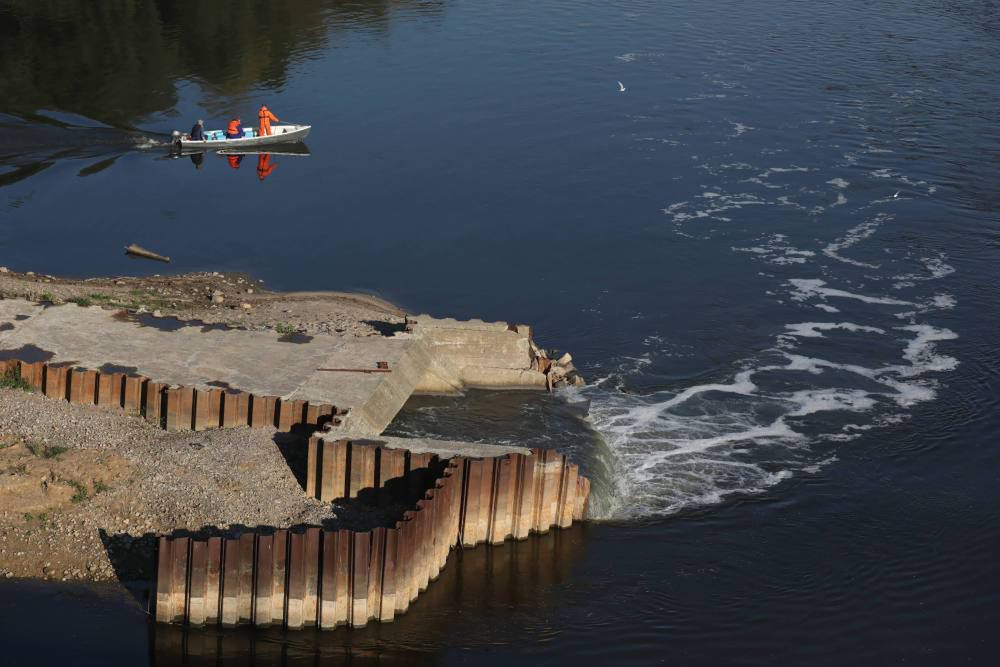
(44, 451)
(79, 490)
(28, 516)
(99, 486)
(97, 297)
(81, 301)
(12, 380)
(284, 328)
(44, 516)
(138, 297)
(48, 296)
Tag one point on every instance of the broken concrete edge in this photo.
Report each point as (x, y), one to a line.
(310, 577)
(493, 355)
(174, 408)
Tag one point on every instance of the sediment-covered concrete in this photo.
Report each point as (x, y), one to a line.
(225, 377)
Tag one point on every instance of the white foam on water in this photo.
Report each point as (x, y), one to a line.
(709, 441)
(807, 288)
(935, 267)
(778, 252)
(782, 410)
(146, 143)
(854, 236)
(816, 329)
(814, 468)
(718, 203)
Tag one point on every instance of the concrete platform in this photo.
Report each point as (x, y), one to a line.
(432, 356)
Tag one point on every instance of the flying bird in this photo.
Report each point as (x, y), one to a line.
(896, 196)
(621, 87)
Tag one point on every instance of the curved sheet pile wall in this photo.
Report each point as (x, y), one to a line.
(315, 577)
(173, 408)
(503, 497)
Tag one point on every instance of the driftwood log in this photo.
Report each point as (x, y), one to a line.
(139, 251)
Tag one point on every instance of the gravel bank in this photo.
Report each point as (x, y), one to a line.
(83, 491)
(234, 299)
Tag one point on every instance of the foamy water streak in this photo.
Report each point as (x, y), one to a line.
(707, 441)
(857, 352)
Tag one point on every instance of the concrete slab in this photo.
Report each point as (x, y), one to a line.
(200, 357)
(442, 448)
(372, 376)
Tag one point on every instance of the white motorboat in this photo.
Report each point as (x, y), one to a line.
(280, 134)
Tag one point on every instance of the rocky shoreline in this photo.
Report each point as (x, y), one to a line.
(83, 490)
(233, 299)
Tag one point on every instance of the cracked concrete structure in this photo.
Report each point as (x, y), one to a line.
(188, 375)
(368, 379)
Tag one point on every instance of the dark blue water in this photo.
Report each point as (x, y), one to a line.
(774, 255)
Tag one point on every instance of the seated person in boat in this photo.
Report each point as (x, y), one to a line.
(265, 117)
(235, 130)
(198, 131)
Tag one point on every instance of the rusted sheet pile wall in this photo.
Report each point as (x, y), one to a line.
(324, 578)
(174, 408)
(312, 577)
(341, 468)
(503, 497)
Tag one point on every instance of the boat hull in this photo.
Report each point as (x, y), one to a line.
(280, 134)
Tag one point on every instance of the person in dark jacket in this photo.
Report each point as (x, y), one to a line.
(198, 131)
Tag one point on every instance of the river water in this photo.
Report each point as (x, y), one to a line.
(772, 255)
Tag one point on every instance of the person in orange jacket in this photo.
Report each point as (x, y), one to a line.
(235, 130)
(265, 116)
(264, 166)
(234, 160)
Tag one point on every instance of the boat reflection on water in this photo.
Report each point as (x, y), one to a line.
(482, 598)
(266, 164)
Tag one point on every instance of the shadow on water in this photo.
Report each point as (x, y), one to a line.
(473, 599)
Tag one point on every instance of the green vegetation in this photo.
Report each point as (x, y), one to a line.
(48, 296)
(12, 380)
(99, 486)
(148, 298)
(132, 301)
(44, 451)
(79, 490)
(284, 328)
(28, 516)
